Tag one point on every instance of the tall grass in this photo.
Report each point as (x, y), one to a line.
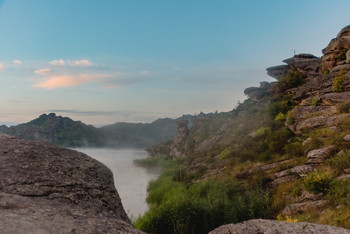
(198, 208)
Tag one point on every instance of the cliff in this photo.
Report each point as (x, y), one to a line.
(48, 189)
(290, 138)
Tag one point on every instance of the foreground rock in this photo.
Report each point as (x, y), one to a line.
(276, 227)
(48, 189)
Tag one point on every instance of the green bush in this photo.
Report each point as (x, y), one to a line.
(343, 107)
(315, 101)
(291, 80)
(294, 149)
(318, 182)
(339, 193)
(338, 81)
(201, 207)
(341, 161)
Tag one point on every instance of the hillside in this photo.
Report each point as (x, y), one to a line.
(289, 139)
(65, 132)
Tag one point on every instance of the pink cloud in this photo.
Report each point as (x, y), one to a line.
(17, 62)
(66, 81)
(43, 71)
(59, 62)
(80, 63)
(1, 67)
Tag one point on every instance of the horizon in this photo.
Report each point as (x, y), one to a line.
(121, 61)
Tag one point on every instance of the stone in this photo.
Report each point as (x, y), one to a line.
(302, 207)
(348, 56)
(335, 47)
(300, 171)
(257, 93)
(317, 156)
(281, 180)
(278, 72)
(262, 226)
(335, 98)
(304, 63)
(344, 177)
(48, 189)
(318, 121)
(347, 138)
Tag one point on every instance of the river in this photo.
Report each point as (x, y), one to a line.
(130, 179)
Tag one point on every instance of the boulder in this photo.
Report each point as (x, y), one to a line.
(304, 63)
(276, 227)
(278, 72)
(48, 189)
(335, 98)
(257, 93)
(300, 171)
(317, 156)
(334, 52)
(318, 121)
(344, 177)
(302, 207)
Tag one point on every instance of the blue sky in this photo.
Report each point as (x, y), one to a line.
(108, 61)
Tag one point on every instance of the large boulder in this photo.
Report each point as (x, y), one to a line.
(276, 227)
(335, 52)
(48, 189)
(304, 63)
(278, 72)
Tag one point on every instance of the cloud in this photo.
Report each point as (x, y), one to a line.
(59, 62)
(43, 71)
(1, 67)
(53, 82)
(17, 62)
(71, 63)
(80, 63)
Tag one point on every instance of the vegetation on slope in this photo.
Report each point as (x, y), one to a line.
(220, 174)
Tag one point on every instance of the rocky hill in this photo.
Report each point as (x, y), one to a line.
(65, 132)
(290, 138)
(48, 189)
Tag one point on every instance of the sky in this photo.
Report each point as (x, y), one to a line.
(111, 61)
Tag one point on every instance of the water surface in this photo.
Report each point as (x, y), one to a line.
(130, 179)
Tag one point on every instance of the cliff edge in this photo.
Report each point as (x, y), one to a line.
(48, 189)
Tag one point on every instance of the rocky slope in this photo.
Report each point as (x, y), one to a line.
(48, 189)
(291, 137)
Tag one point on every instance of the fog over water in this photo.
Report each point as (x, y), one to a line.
(130, 179)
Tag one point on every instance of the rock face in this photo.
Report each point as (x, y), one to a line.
(48, 189)
(335, 52)
(276, 227)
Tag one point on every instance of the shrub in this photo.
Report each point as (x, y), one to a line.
(343, 107)
(318, 182)
(326, 72)
(291, 80)
(202, 207)
(315, 101)
(341, 161)
(338, 81)
(280, 116)
(294, 149)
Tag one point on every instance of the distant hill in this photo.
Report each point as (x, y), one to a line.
(66, 132)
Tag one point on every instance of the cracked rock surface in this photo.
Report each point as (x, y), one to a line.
(48, 189)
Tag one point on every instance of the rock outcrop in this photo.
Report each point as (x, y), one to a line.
(48, 189)
(276, 227)
(335, 52)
